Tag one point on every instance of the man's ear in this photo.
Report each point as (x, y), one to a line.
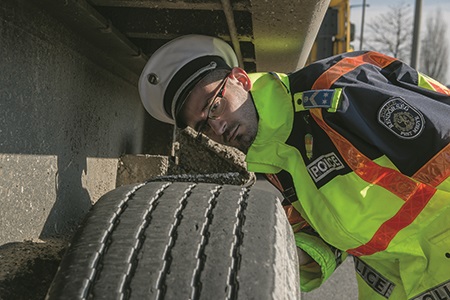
(242, 77)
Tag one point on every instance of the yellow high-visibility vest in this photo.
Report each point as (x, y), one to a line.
(355, 198)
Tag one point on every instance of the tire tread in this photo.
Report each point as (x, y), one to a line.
(163, 240)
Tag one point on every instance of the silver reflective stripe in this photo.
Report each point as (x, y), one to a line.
(439, 292)
(375, 280)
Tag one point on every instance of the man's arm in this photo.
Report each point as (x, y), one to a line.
(317, 259)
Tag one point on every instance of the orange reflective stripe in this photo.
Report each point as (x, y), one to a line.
(404, 216)
(439, 88)
(392, 180)
(275, 181)
(348, 64)
(295, 219)
(436, 169)
(415, 194)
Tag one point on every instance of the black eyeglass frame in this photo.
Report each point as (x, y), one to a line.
(218, 96)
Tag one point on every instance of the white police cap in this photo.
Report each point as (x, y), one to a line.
(174, 69)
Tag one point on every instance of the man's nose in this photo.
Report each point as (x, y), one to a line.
(218, 125)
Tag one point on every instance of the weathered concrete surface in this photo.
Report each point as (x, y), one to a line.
(67, 112)
(30, 185)
(207, 157)
(28, 190)
(139, 168)
(28, 276)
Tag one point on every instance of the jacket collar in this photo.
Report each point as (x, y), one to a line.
(273, 103)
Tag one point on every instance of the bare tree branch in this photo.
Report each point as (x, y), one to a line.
(434, 48)
(390, 32)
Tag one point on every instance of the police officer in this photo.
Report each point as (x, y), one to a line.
(357, 143)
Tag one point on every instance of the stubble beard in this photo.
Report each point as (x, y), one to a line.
(249, 113)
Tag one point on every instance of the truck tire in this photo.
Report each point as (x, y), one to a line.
(182, 240)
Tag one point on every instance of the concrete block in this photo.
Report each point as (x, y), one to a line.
(138, 168)
(27, 193)
(40, 196)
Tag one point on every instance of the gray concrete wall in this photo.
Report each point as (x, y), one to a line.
(67, 113)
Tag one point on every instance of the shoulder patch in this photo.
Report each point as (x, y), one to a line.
(328, 99)
(324, 165)
(318, 98)
(401, 118)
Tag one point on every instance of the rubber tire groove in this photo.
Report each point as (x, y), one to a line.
(181, 240)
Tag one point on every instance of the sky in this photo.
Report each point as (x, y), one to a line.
(378, 7)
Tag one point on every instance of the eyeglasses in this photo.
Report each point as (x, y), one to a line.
(215, 110)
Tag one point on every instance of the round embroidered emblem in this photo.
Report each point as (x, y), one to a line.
(401, 119)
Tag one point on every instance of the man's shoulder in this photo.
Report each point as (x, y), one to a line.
(304, 78)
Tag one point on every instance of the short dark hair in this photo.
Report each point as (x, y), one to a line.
(215, 75)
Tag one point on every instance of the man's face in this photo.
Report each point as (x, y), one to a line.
(223, 110)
